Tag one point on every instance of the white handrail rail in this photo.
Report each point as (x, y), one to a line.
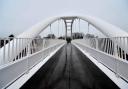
(12, 49)
(13, 70)
(111, 52)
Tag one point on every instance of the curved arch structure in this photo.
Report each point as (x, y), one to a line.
(107, 29)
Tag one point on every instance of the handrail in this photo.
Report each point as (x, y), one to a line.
(13, 49)
(10, 72)
(111, 52)
(115, 46)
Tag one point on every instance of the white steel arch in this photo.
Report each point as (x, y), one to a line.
(107, 29)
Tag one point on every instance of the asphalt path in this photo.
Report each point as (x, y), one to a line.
(69, 69)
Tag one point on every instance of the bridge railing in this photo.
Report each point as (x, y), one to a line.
(22, 54)
(111, 52)
(116, 46)
(12, 49)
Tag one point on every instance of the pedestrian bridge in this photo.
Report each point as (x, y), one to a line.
(29, 62)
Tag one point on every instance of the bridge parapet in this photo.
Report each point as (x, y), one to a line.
(12, 49)
(22, 54)
(115, 46)
(111, 52)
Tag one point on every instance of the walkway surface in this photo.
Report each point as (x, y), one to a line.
(69, 69)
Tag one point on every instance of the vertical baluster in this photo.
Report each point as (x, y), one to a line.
(107, 46)
(34, 45)
(118, 51)
(124, 42)
(102, 40)
(22, 48)
(0, 43)
(93, 43)
(8, 49)
(121, 47)
(12, 50)
(27, 47)
(96, 43)
(104, 44)
(115, 47)
(19, 48)
(31, 47)
(127, 47)
(16, 49)
(4, 50)
(110, 45)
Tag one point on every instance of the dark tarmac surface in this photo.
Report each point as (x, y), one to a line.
(69, 69)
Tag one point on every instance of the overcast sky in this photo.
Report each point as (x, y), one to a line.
(18, 15)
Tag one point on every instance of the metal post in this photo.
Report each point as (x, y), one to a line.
(115, 48)
(19, 39)
(50, 29)
(65, 30)
(88, 27)
(124, 43)
(29, 48)
(58, 28)
(22, 47)
(8, 49)
(79, 25)
(62, 28)
(12, 50)
(4, 50)
(96, 43)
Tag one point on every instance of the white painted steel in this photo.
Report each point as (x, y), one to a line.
(23, 79)
(107, 29)
(24, 42)
(13, 50)
(12, 71)
(117, 80)
(113, 62)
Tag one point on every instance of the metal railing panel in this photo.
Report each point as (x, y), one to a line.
(13, 49)
(116, 64)
(31, 55)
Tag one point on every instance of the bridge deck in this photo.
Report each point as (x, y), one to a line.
(69, 69)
